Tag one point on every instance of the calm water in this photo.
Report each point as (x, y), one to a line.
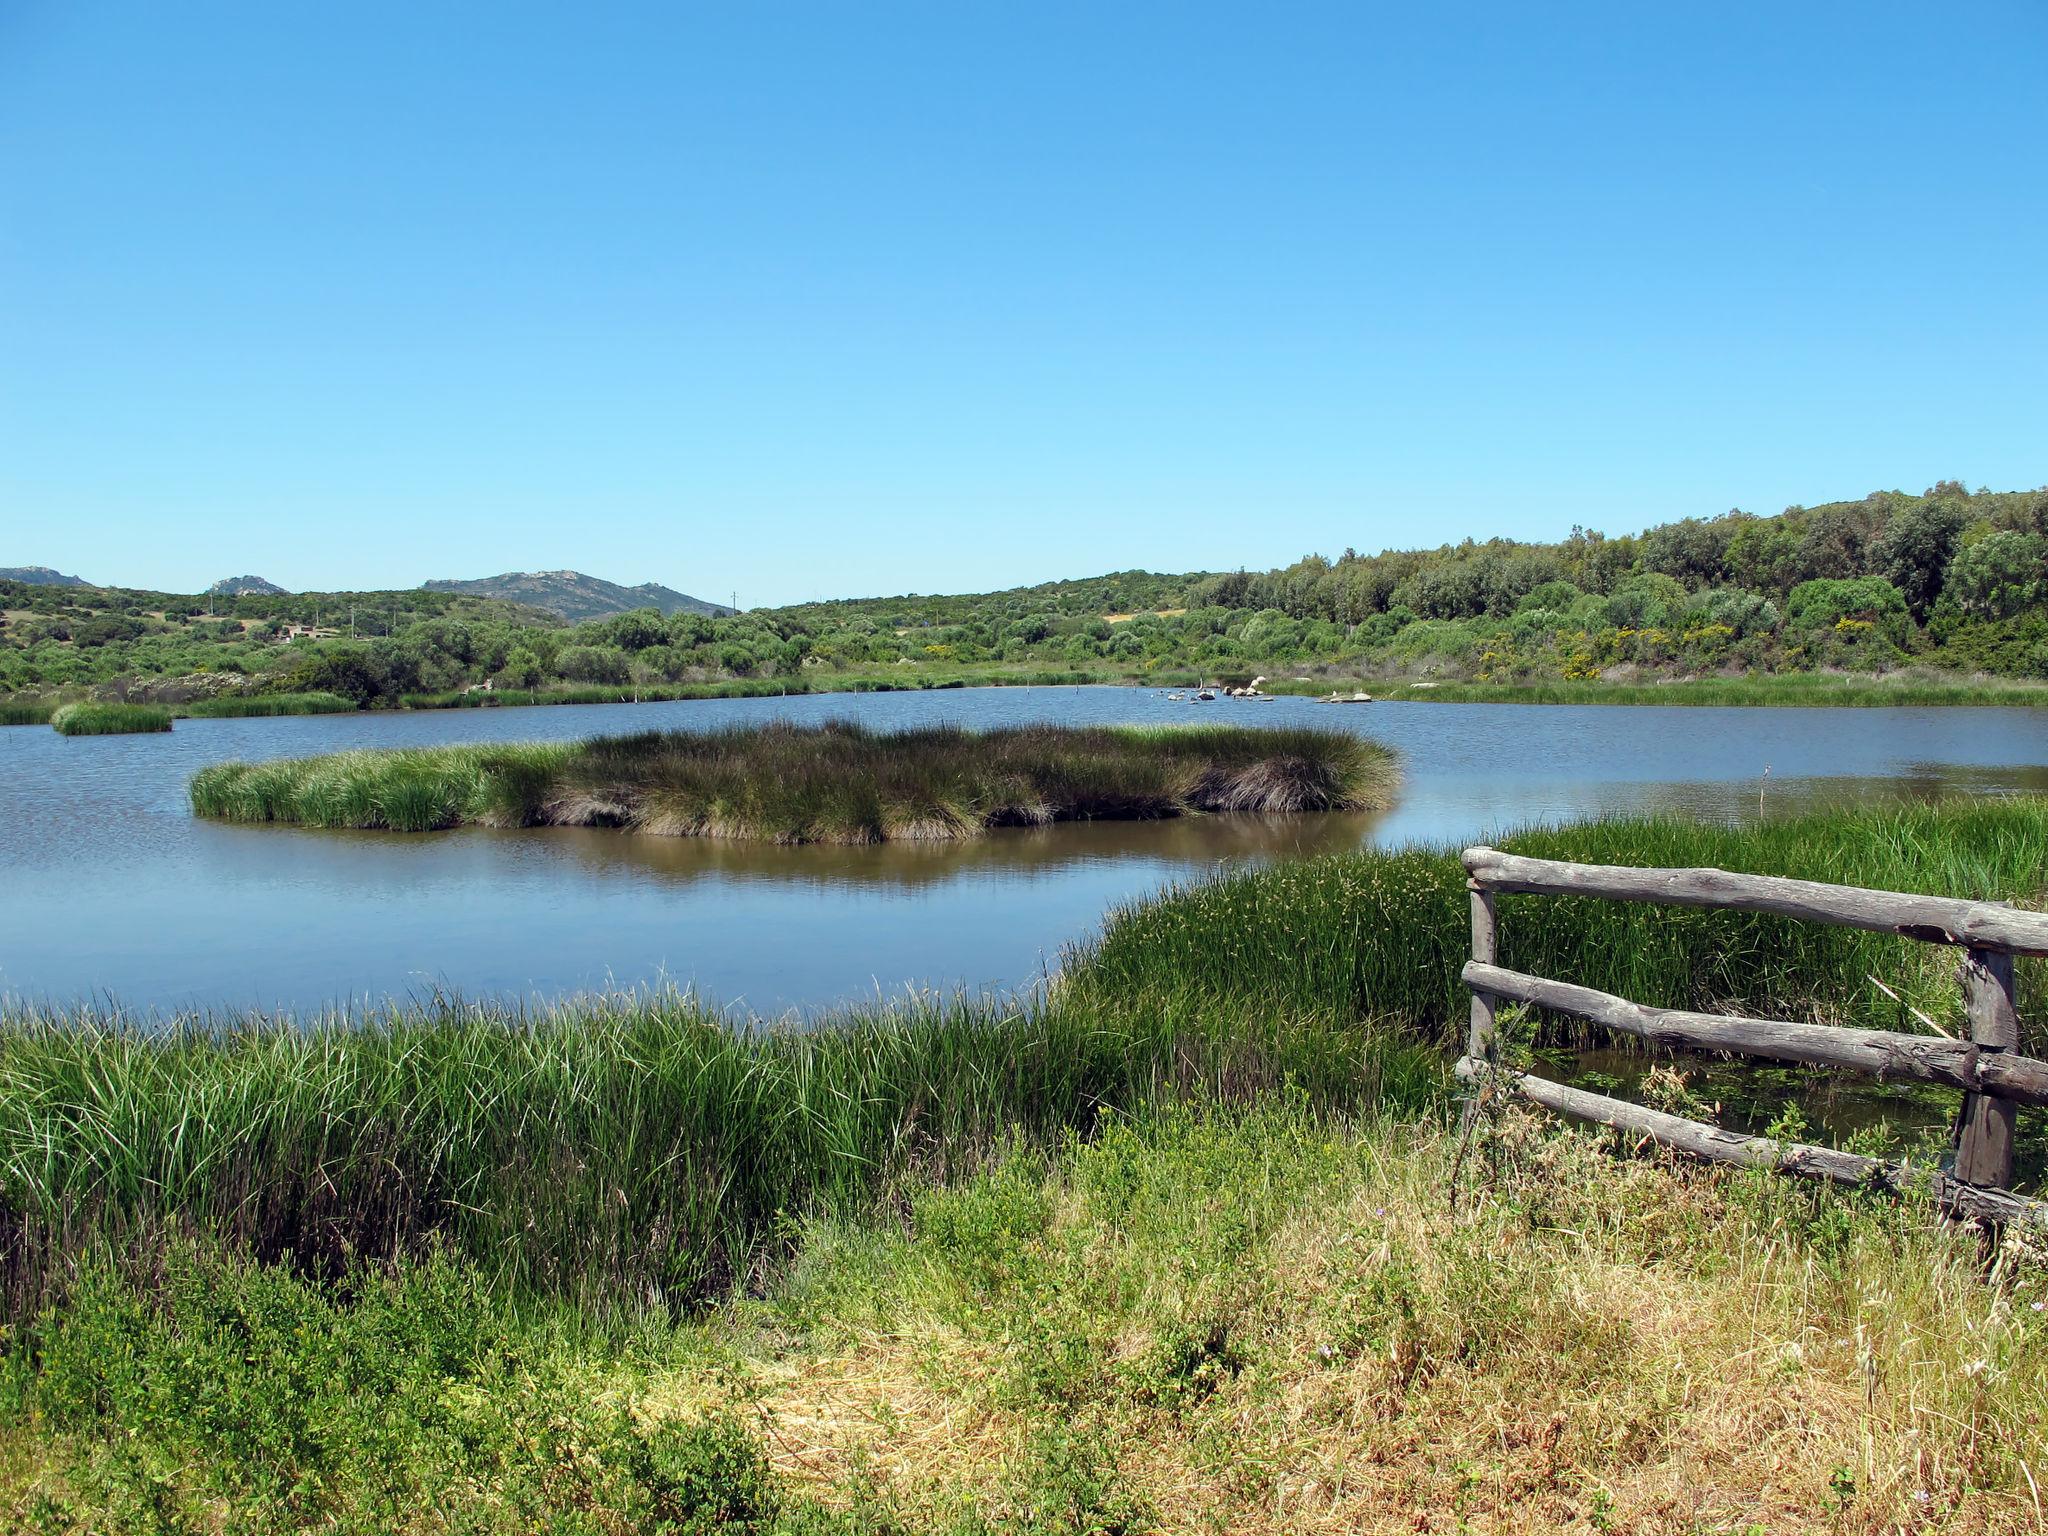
(111, 891)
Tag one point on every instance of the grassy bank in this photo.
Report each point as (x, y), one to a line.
(629, 1151)
(1167, 1250)
(1382, 934)
(630, 1154)
(833, 783)
(1259, 1321)
(261, 705)
(109, 719)
(1786, 689)
(25, 714)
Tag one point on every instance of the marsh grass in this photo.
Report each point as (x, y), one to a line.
(1140, 1254)
(23, 713)
(629, 1154)
(1798, 689)
(259, 705)
(838, 782)
(637, 1152)
(1256, 1318)
(1382, 934)
(95, 719)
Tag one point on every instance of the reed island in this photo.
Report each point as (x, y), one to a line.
(836, 783)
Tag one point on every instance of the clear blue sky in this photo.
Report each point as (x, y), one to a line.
(823, 300)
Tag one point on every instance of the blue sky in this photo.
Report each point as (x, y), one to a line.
(808, 300)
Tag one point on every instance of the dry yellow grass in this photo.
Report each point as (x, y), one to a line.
(1588, 1343)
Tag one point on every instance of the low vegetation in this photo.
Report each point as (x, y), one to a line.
(26, 714)
(838, 782)
(109, 719)
(1950, 585)
(238, 706)
(1184, 1321)
(1382, 934)
(1169, 1248)
(1805, 690)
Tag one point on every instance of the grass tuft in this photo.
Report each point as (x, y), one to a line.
(109, 719)
(237, 706)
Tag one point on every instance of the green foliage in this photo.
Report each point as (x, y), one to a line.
(838, 782)
(1689, 598)
(1998, 576)
(250, 706)
(208, 1386)
(109, 719)
(1381, 935)
(632, 1153)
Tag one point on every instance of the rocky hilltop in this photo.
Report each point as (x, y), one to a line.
(577, 597)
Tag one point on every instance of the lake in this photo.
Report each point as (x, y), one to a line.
(112, 892)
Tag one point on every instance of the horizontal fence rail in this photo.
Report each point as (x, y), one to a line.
(1987, 1067)
(1988, 925)
(1715, 1144)
(1925, 1058)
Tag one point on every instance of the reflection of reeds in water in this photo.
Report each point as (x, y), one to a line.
(1193, 844)
(838, 782)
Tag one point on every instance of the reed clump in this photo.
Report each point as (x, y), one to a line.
(96, 719)
(22, 712)
(837, 782)
(250, 706)
(626, 1153)
(1382, 934)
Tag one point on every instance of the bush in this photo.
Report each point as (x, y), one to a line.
(593, 664)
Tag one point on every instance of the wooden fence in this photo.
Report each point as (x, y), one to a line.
(1994, 1078)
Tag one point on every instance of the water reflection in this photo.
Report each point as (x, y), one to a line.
(1011, 853)
(110, 888)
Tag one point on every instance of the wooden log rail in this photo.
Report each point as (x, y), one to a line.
(1714, 1144)
(1994, 1077)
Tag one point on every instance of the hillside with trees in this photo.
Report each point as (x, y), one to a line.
(1945, 582)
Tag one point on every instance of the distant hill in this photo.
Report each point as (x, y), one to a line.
(40, 576)
(247, 586)
(577, 597)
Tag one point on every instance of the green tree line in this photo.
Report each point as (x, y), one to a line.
(1949, 579)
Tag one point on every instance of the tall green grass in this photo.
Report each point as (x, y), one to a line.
(622, 1153)
(20, 713)
(639, 1152)
(259, 705)
(837, 782)
(109, 719)
(1382, 934)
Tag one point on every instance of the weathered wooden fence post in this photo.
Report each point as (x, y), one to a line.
(1479, 1041)
(1984, 1129)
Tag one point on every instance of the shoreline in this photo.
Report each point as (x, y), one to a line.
(1757, 691)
